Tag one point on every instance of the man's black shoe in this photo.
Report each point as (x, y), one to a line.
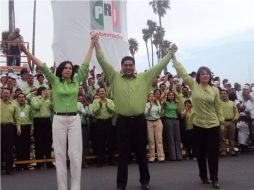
(206, 181)
(215, 185)
(120, 188)
(145, 186)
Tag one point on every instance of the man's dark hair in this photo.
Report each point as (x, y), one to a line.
(60, 69)
(225, 81)
(97, 91)
(5, 88)
(127, 58)
(217, 78)
(21, 94)
(18, 89)
(40, 89)
(75, 68)
(187, 101)
(23, 71)
(40, 75)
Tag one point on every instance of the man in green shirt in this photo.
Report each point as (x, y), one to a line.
(230, 113)
(42, 112)
(23, 142)
(103, 110)
(130, 93)
(9, 118)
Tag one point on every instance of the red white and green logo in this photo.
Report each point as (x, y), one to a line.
(105, 15)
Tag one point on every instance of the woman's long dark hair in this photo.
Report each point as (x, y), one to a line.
(199, 72)
(174, 100)
(60, 69)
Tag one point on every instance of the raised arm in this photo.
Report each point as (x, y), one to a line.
(34, 59)
(105, 65)
(84, 68)
(182, 72)
(156, 70)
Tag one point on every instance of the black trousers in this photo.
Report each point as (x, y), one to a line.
(103, 139)
(190, 148)
(132, 130)
(207, 148)
(85, 141)
(42, 138)
(14, 53)
(22, 145)
(182, 124)
(8, 132)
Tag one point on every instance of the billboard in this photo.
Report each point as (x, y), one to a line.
(75, 21)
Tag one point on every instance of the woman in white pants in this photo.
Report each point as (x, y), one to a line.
(66, 121)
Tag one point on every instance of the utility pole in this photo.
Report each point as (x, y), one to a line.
(11, 16)
(33, 40)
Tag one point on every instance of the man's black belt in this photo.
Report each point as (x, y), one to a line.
(131, 116)
(152, 120)
(171, 118)
(228, 119)
(6, 124)
(66, 113)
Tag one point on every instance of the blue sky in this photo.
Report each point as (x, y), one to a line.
(215, 33)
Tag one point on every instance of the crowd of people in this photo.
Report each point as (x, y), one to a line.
(120, 113)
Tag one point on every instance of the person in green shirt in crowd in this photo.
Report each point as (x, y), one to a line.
(172, 127)
(23, 141)
(130, 92)
(187, 116)
(40, 81)
(103, 110)
(9, 118)
(231, 115)
(207, 118)
(66, 121)
(42, 111)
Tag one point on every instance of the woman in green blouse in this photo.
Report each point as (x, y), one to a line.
(207, 118)
(171, 110)
(66, 121)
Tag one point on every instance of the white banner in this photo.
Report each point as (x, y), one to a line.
(74, 21)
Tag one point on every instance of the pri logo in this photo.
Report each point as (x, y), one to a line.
(105, 15)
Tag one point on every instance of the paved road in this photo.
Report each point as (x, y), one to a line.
(236, 173)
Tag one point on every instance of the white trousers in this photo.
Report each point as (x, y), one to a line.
(63, 127)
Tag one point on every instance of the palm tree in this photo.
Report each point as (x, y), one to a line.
(156, 42)
(133, 46)
(145, 38)
(151, 28)
(158, 36)
(165, 46)
(160, 8)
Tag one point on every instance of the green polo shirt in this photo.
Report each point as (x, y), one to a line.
(41, 107)
(65, 93)
(25, 114)
(130, 94)
(103, 112)
(170, 109)
(188, 119)
(9, 113)
(229, 109)
(207, 110)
